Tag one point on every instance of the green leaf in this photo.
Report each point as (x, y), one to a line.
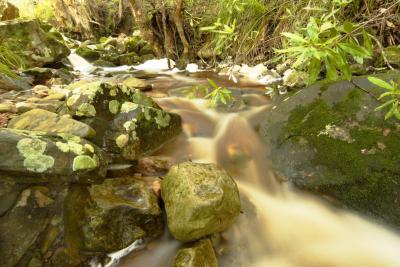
(367, 41)
(392, 111)
(331, 72)
(385, 105)
(213, 84)
(348, 26)
(294, 37)
(354, 50)
(380, 83)
(313, 70)
(385, 95)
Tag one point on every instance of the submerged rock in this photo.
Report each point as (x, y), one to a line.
(46, 121)
(120, 211)
(127, 122)
(199, 254)
(327, 138)
(200, 199)
(38, 47)
(38, 157)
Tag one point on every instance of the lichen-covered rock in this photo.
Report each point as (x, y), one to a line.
(20, 227)
(37, 47)
(200, 199)
(7, 107)
(46, 121)
(327, 138)
(38, 157)
(51, 105)
(9, 192)
(199, 254)
(127, 122)
(120, 211)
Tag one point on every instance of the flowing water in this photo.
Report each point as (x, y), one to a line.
(278, 227)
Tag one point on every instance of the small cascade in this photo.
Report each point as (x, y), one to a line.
(79, 63)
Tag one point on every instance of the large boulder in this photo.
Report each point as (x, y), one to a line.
(200, 199)
(198, 254)
(40, 157)
(46, 121)
(113, 215)
(327, 138)
(35, 46)
(128, 123)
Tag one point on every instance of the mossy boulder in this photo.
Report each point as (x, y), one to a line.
(20, 227)
(118, 212)
(328, 139)
(35, 46)
(39, 157)
(198, 254)
(88, 53)
(127, 122)
(392, 54)
(52, 105)
(200, 199)
(39, 75)
(46, 121)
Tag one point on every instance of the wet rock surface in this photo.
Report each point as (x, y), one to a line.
(328, 139)
(200, 199)
(198, 254)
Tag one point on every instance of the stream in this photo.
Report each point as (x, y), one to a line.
(279, 226)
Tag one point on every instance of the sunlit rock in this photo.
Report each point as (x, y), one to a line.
(200, 199)
(201, 253)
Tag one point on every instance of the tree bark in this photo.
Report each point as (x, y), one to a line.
(179, 26)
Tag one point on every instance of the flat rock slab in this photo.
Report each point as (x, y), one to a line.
(46, 121)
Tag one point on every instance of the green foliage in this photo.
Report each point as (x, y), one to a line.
(236, 23)
(219, 94)
(392, 94)
(198, 91)
(327, 42)
(10, 60)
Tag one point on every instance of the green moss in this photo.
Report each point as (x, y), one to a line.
(87, 110)
(363, 169)
(128, 106)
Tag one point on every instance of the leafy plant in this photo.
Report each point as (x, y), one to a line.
(219, 94)
(326, 42)
(198, 91)
(393, 92)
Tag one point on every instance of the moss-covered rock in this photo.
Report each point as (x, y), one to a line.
(88, 53)
(200, 199)
(35, 46)
(198, 254)
(51, 105)
(127, 122)
(327, 138)
(120, 211)
(46, 121)
(39, 157)
(10, 81)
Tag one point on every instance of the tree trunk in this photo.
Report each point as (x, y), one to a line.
(179, 26)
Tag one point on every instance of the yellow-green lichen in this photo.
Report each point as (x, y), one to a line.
(122, 140)
(162, 119)
(70, 146)
(84, 162)
(113, 106)
(87, 110)
(72, 100)
(128, 106)
(32, 150)
(89, 148)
